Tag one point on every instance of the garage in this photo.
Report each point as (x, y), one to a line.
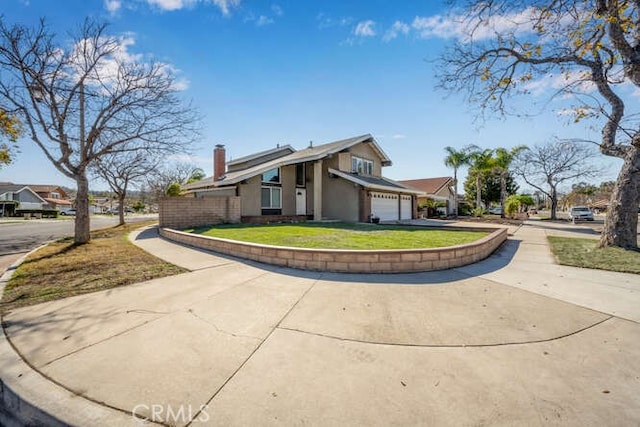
(406, 210)
(385, 206)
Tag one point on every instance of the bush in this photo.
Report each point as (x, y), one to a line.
(478, 212)
(511, 205)
(174, 190)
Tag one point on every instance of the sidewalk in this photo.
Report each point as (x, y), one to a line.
(514, 339)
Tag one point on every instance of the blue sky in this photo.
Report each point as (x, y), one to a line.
(288, 72)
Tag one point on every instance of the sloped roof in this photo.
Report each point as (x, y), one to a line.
(307, 155)
(428, 185)
(375, 183)
(57, 201)
(17, 188)
(289, 149)
(47, 189)
(10, 188)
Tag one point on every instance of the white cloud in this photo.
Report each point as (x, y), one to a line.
(112, 5)
(558, 82)
(365, 29)
(396, 29)
(457, 26)
(169, 5)
(277, 10)
(107, 72)
(263, 20)
(436, 26)
(325, 21)
(399, 136)
(225, 5)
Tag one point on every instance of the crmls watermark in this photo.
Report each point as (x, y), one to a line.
(169, 414)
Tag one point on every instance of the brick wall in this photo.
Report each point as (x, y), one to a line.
(351, 261)
(185, 212)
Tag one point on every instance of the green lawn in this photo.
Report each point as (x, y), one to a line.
(341, 235)
(584, 253)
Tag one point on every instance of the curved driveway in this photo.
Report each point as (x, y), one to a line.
(514, 339)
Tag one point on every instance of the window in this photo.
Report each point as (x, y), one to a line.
(361, 166)
(272, 176)
(55, 195)
(300, 175)
(271, 197)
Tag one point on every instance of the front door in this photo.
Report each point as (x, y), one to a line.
(301, 201)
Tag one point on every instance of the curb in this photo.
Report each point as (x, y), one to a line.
(27, 398)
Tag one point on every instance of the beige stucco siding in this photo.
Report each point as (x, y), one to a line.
(249, 193)
(340, 197)
(364, 151)
(288, 180)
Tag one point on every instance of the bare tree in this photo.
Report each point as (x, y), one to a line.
(585, 51)
(180, 173)
(84, 98)
(121, 170)
(547, 166)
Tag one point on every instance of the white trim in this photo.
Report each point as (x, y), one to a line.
(270, 188)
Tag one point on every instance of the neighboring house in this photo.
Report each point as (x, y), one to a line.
(55, 197)
(341, 180)
(440, 189)
(17, 199)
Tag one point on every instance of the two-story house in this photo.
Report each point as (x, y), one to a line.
(17, 199)
(54, 196)
(340, 180)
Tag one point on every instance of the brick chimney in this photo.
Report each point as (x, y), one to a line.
(219, 162)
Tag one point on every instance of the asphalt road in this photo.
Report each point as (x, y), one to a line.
(18, 236)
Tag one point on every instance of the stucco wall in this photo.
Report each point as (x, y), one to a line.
(288, 180)
(250, 194)
(341, 199)
(185, 212)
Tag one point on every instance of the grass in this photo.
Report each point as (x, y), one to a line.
(585, 253)
(63, 269)
(341, 235)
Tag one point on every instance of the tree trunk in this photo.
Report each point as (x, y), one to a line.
(503, 192)
(621, 223)
(455, 197)
(478, 191)
(554, 203)
(121, 209)
(82, 225)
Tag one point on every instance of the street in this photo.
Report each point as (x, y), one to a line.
(19, 236)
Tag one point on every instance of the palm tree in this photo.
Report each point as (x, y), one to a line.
(502, 163)
(456, 159)
(481, 163)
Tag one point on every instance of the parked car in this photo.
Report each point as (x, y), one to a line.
(70, 212)
(495, 210)
(580, 213)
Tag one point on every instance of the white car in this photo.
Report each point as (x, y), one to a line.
(580, 213)
(495, 210)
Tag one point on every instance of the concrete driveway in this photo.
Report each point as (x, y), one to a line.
(512, 340)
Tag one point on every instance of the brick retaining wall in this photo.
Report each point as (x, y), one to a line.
(350, 261)
(185, 212)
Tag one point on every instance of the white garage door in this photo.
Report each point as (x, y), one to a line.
(405, 207)
(385, 206)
